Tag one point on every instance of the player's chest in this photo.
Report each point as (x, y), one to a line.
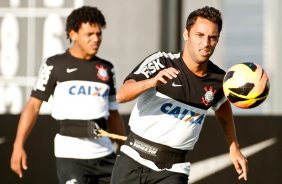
(190, 90)
(87, 72)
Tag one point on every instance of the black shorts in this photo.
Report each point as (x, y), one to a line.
(85, 171)
(128, 171)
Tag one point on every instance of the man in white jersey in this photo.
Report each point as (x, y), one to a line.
(83, 90)
(174, 94)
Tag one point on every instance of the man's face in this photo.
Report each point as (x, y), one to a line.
(202, 40)
(87, 40)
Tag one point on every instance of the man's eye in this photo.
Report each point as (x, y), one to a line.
(214, 38)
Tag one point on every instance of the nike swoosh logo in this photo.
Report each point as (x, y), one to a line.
(202, 169)
(70, 70)
(176, 85)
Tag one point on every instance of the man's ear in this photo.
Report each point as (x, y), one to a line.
(185, 35)
(73, 35)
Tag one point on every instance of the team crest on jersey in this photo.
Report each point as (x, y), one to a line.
(102, 73)
(207, 99)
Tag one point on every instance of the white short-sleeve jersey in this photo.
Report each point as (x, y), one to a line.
(81, 90)
(173, 114)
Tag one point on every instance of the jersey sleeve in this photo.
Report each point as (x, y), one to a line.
(148, 68)
(45, 83)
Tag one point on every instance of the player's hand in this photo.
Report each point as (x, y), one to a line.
(240, 164)
(164, 76)
(19, 161)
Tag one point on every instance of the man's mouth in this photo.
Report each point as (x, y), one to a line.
(95, 47)
(204, 52)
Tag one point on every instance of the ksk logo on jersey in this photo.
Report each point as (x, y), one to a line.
(207, 99)
(102, 73)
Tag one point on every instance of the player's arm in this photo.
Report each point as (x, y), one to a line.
(26, 123)
(132, 89)
(115, 125)
(225, 118)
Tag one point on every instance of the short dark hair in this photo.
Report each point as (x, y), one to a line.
(84, 14)
(206, 12)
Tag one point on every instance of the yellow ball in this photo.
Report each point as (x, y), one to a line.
(246, 85)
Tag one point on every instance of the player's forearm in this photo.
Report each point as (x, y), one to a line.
(24, 128)
(229, 131)
(26, 123)
(132, 89)
(116, 126)
(115, 123)
(23, 132)
(225, 118)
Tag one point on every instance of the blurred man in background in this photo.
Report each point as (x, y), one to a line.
(83, 89)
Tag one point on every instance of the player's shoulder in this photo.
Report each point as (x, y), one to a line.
(213, 68)
(164, 54)
(103, 61)
(57, 58)
(162, 57)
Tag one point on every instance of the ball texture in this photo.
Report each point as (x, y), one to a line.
(246, 85)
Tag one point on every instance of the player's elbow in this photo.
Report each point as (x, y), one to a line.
(120, 97)
(126, 92)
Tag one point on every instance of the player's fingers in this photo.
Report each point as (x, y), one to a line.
(237, 167)
(242, 176)
(162, 80)
(244, 168)
(168, 73)
(19, 172)
(16, 167)
(173, 72)
(24, 162)
(162, 77)
(241, 167)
